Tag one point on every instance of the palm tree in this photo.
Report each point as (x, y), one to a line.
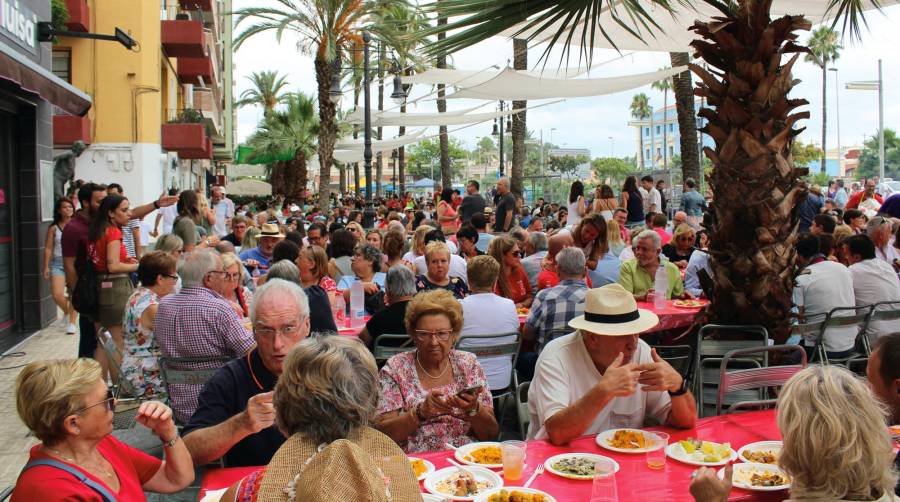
(664, 85)
(446, 168)
(287, 137)
(683, 90)
(751, 119)
(640, 110)
(519, 126)
(823, 49)
(266, 90)
(327, 28)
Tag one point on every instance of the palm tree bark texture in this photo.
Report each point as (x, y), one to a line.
(328, 131)
(753, 219)
(519, 124)
(682, 88)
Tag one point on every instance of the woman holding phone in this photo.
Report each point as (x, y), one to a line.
(434, 395)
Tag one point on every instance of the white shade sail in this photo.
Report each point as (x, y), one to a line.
(513, 85)
(356, 116)
(672, 34)
(469, 78)
(436, 119)
(249, 187)
(379, 146)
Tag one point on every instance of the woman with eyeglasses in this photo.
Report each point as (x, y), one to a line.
(68, 407)
(140, 355)
(513, 282)
(235, 293)
(434, 395)
(681, 247)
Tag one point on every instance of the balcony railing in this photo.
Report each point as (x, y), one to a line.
(79, 16)
(183, 38)
(68, 129)
(189, 140)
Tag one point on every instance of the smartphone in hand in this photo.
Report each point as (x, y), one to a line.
(474, 390)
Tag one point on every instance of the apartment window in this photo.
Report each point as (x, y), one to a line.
(657, 130)
(671, 151)
(671, 127)
(659, 152)
(62, 64)
(647, 154)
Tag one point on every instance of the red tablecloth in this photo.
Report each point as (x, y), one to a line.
(670, 317)
(344, 328)
(635, 481)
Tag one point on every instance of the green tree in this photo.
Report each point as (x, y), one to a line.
(327, 28)
(640, 110)
(611, 168)
(427, 153)
(869, 160)
(287, 138)
(664, 85)
(804, 153)
(566, 165)
(265, 91)
(823, 49)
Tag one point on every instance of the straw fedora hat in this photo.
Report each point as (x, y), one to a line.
(347, 469)
(270, 230)
(612, 311)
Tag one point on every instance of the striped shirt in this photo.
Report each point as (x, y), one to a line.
(197, 322)
(554, 307)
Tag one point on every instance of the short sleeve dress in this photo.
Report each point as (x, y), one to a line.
(140, 355)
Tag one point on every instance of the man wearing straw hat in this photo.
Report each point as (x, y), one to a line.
(269, 236)
(603, 376)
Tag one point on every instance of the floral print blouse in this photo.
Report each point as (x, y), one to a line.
(401, 389)
(140, 357)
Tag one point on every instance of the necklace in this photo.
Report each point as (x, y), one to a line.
(73, 461)
(426, 371)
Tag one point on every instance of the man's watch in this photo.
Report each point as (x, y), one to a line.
(681, 390)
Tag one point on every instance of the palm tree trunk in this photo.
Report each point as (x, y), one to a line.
(519, 125)
(639, 159)
(356, 93)
(379, 161)
(401, 152)
(665, 147)
(327, 131)
(683, 89)
(446, 173)
(824, 116)
(297, 183)
(753, 219)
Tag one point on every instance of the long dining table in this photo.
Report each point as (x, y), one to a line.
(635, 481)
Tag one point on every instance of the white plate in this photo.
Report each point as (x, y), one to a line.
(528, 491)
(740, 478)
(464, 450)
(427, 497)
(481, 474)
(775, 446)
(214, 495)
(548, 464)
(676, 452)
(604, 437)
(429, 467)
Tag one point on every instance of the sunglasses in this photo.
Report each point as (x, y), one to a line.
(109, 402)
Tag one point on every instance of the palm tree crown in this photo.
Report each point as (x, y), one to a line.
(266, 90)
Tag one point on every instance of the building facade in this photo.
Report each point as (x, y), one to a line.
(29, 92)
(658, 138)
(162, 114)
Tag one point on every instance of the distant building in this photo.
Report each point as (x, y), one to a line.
(659, 132)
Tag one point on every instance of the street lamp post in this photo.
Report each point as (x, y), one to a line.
(495, 133)
(837, 104)
(877, 85)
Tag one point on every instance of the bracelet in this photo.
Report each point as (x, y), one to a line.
(170, 443)
(156, 204)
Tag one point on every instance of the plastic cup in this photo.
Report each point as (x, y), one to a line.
(513, 455)
(604, 483)
(656, 457)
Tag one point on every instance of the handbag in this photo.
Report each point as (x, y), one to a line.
(86, 296)
(90, 483)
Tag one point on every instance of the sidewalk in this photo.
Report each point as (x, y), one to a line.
(50, 343)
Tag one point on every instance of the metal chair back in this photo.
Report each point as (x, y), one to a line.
(387, 346)
(859, 318)
(760, 379)
(524, 417)
(704, 377)
(494, 346)
(127, 401)
(183, 371)
(881, 312)
(679, 357)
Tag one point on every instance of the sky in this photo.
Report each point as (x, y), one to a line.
(591, 122)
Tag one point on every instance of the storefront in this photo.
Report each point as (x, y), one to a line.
(28, 92)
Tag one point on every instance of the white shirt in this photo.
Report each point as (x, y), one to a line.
(875, 281)
(888, 254)
(169, 213)
(651, 198)
(565, 373)
(819, 289)
(574, 218)
(489, 314)
(458, 267)
(627, 253)
(224, 210)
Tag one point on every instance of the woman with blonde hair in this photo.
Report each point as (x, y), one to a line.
(417, 246)
(836, 442)
(313, 265)
(357, 230)
(437, 273)
(235, 293)
(251, 238)
(681, 247)
(614, 237)
(207, 214)
(68, 407)
(513, 282)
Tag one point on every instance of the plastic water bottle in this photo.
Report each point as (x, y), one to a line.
(340, 311)
(660, 286)
(357, 304)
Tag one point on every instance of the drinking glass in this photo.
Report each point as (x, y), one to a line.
(604, 485)
(513, 454)
(658, 441)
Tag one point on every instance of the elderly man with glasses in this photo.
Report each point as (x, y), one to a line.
(198, 322)
(881, 231)
(235, 417)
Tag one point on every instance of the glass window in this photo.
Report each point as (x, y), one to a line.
(671, 151)
(647, 154)
(62, 64)
(671, 127)
(657, 130)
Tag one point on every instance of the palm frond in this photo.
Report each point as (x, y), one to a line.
(850, 13)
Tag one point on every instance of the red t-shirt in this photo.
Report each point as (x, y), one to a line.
(519, 285)
(855, 199)
(548, 279)
(98, 249)
(49, 484)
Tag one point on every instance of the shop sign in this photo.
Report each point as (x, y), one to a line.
(19, 24)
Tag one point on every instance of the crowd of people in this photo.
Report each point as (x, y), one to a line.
(256, 293)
